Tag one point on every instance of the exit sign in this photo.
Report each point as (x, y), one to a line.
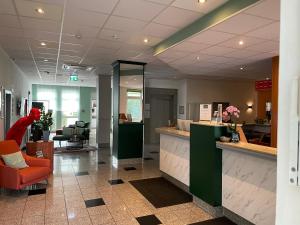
(74, 77)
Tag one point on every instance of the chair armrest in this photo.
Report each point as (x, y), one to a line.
(9, 177)
(32, 161)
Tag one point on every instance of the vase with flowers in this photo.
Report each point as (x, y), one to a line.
(231, 115)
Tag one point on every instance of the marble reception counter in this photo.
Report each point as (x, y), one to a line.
(249, 181)
(175, 153)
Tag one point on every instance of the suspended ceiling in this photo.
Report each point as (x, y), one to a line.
(97, 32)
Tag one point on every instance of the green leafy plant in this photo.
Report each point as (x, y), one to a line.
(45, 121)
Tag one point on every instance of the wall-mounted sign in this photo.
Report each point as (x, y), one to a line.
(205, 112)
(263, 84)
(181, 109)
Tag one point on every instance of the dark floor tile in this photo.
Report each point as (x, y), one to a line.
(94, 202)
(148, 220)
(101, 162)
(37, 192)
(148, 158)
(129, 168)
(81, 173)
(117, 181)
(217, 221)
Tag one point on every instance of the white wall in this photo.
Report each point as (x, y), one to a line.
(288, 197)
(238, 93)
(12, 78)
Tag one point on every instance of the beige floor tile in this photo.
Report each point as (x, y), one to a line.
(33, 220)
(101, 219)
(80, 221)
(77, 213)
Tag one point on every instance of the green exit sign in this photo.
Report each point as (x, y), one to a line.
(74, 77)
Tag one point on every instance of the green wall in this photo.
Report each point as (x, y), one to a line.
(86, 95)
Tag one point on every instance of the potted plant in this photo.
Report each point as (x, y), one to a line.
(231, 115)
(45, 123)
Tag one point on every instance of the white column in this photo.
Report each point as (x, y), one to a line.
(103, 110)
(288, 197)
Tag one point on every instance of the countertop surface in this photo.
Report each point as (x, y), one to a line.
(173, 131)
(243, 146)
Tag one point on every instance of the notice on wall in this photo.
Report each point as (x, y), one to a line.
(205, 112)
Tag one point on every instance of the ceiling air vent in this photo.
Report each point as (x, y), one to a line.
(77, 67)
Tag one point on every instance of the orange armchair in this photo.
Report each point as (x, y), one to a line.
(38, 170)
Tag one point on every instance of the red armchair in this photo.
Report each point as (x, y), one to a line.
(38, 170)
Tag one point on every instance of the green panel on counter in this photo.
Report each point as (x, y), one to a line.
(130, 143)
(206, 163)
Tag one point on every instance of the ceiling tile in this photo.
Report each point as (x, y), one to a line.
(241, 23)
(9, 21)
(270, 32)
(124, 24)
(28, 9)
(176, 17)
(164, 2)
(195, 6)
(190, 46)
(7, 7)
(269, 9)
(242, 53)
(107, 44)
(211, 37)
(158, 30)
(138, 9)
(11, 32)
(40, 35)
(268, 46)
(217, 50)
(114, 35)
(247, 41)
(85, 32)
(103, 6)
(41, 25)
(84, 18)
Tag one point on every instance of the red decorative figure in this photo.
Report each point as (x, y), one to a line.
(17, 131)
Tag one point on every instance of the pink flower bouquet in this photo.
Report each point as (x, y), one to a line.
(230, 115)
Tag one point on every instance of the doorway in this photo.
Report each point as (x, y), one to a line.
(163, 108)
(7, 110)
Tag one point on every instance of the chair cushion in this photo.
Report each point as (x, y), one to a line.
(32, 173)
(15, 160)
(68, 131)
(61, 137)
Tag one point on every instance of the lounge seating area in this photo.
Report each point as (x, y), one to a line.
(80, 130)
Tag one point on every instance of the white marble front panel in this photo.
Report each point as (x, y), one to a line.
(175, 157)
(249, 186)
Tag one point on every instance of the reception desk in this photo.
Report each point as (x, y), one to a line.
(175, 153)
(249, 181)
(237, 177)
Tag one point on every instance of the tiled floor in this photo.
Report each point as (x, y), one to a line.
(79, 193)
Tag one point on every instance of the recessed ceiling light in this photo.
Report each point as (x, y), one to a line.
(201, 1)
(268, 78)
(126, 82)
(198, 57)
(46, 60)
(241, 42)
(146, 40)
(40, 10)
(241, 68)
(134, 79)
(43, 44)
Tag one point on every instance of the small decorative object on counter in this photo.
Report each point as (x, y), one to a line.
(230, 115)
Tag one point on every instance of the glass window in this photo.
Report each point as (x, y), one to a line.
(69, 106)
(134, 105)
